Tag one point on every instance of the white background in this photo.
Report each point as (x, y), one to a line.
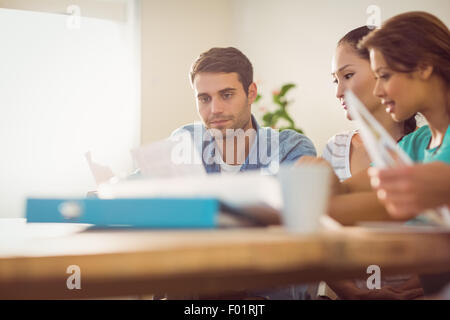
(63, 92)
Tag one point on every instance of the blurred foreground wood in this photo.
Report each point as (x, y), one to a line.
(207, 262)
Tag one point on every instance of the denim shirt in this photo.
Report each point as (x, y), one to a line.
(269, 150)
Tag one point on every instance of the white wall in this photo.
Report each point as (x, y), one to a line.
(286, 40)
(174, 33)
(294, 40)
(64, 92)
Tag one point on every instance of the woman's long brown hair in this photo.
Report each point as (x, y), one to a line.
(410, 40)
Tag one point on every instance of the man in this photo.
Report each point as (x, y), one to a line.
(229, 138)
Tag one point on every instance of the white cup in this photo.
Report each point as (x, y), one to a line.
(305, 190)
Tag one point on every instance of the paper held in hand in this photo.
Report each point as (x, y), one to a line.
(384, 151)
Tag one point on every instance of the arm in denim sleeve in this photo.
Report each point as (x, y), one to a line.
(294, 145)
(182, 130)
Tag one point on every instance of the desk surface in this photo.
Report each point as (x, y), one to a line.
(124, 262)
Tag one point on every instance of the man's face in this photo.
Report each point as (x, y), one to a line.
(222, 102)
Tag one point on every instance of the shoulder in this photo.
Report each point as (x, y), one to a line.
(292, 138)
(293, 145)
(342, 135)
(188, 128)
(416, 139)
(441, 153)
(422, 132)
(341, 139)
(446, 142)
(289, 134)
(416, 143)
(339, 143)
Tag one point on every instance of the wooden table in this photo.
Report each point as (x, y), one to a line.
(124, 262)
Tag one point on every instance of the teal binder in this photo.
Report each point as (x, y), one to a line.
(135, 213)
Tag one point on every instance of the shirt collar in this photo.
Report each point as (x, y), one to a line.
(215, 166)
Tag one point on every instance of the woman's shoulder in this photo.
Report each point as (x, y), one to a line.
(415, 143)
(418, 136)
(338, 145)
(341, 137)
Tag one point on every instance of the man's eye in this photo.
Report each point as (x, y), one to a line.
(204, 99)
(385, 76)
(227, 95)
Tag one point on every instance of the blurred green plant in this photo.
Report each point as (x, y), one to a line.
(271, 118)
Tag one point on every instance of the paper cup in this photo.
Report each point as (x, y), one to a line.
(305, 191)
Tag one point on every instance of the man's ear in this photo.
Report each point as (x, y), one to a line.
(252, 92)
(425, 71)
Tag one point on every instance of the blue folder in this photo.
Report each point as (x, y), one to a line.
(136, 213)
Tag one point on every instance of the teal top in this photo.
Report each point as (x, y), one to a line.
(416, 144)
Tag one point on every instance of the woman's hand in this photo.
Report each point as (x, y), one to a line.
(408, 191)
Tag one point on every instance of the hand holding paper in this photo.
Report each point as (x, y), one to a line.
(424, 183)
(385, 153)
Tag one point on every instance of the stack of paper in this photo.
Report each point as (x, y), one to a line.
(244, 189)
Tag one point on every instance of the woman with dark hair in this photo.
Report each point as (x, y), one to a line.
(347, 155)
(351, 70)
(410, 56)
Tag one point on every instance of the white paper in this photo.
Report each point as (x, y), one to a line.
(401, 227)
(101, 173)
(168, 158)
(382, 148)
(243, 189)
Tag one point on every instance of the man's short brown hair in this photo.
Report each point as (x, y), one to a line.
(224, 60)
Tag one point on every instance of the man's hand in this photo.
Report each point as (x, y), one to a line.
(408, 191)
(347, 290)
(390, 293)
